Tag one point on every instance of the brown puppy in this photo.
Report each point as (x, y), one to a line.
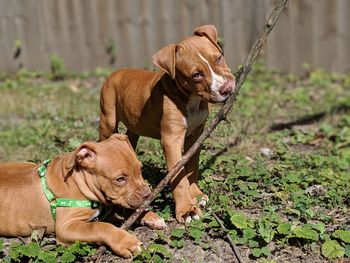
(107, 172)
(171, 105)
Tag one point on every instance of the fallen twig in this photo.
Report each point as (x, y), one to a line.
(221, 115)
(233, 246)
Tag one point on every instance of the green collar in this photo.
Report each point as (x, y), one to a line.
(60, 202)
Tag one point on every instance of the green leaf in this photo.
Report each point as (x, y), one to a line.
(343, 235)
(157, 259)
(47, 256)
(195, 233)
(305, 233)
(284, 228)
(165, 213)
(253, 243)
(154, 247)
(266, 251)
(177, 243)
(67, 257)
(178, 232)
(214, 224)
(75, 248)
(248, 233)
(239, 220)
(233, 233)
(266, 231)
(1, 245)
(347, 251)
(79, 248)
(256, 252)
(92, 252)
(331, 249)
(320, 227)
(197, 224)
(15, 250)
(31, 250)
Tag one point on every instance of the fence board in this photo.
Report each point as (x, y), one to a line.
(126, 33)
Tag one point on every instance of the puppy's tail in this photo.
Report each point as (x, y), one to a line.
(108, 115)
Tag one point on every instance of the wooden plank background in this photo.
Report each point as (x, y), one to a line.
(84, 32)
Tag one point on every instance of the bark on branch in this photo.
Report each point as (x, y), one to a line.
(221, 115)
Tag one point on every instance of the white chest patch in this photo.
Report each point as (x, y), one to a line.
(194, 115)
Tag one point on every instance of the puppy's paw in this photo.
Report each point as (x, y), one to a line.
(197, 194)
(202, 200)
(189, 219)
(187, 213)
(152, 220)
(128, 246)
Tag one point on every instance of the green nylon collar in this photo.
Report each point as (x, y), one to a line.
(60, 202)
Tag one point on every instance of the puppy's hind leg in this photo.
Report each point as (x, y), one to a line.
(108, 116)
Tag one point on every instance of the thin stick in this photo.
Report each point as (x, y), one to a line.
(221, 115)
(234, 248)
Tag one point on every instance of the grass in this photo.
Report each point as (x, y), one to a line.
(278, 173)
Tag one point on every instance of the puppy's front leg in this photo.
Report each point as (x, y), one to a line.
(120, 241)
(185, 206)
(192, 167)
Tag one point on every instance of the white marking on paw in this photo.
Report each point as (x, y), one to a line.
(139, 249)
(196, 217)
(188, 220)
(203, 202)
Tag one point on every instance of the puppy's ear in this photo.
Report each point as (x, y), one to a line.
(209, 31)
(165, 59)
(86, 155)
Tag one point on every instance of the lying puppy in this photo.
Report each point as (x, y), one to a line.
(171, 105)
(106, 173)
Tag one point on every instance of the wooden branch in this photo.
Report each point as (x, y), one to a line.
(233, 246)
(220, 116)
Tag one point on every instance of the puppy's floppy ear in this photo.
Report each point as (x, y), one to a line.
(84, 155)
(209, 31)
(165, 59)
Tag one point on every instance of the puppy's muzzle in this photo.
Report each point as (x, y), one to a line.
(144, 192)
(227, 88)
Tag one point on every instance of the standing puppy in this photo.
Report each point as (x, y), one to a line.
(171, 105)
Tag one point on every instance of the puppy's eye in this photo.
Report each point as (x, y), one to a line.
(220, 59)
(197, 76)
(120, 180)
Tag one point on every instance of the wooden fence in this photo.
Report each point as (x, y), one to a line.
(125, 33)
